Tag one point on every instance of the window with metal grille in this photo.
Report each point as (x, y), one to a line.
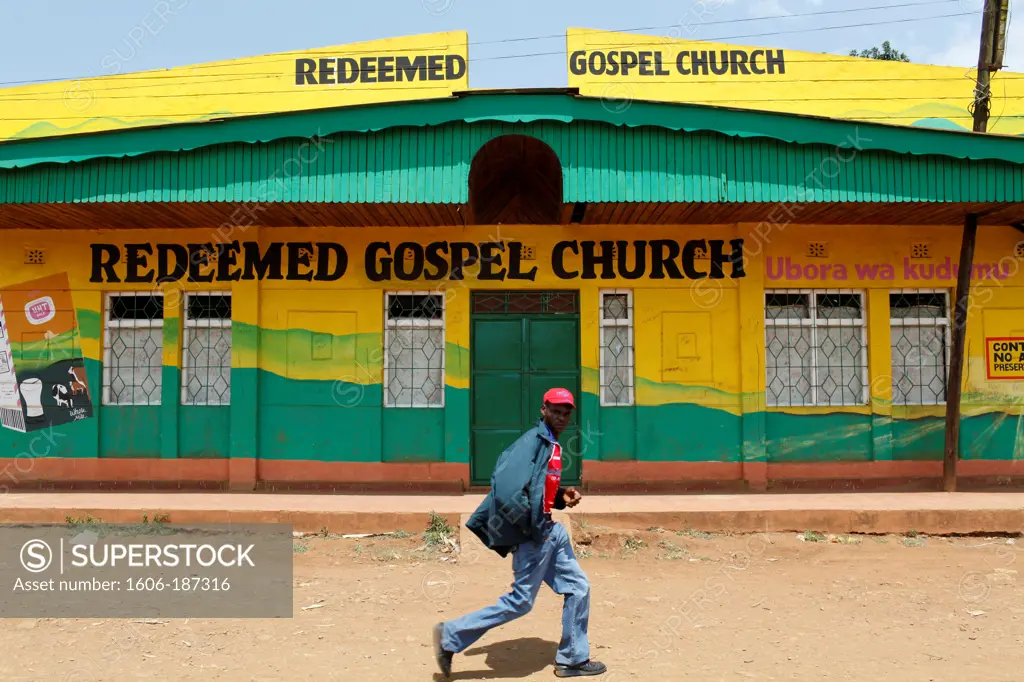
(919, 330)
(815, 348)
(414, 343)
(133, 349)
(206, 350)
(617, 359)
(525, 302)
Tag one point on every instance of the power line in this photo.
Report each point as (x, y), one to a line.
(724, 101)
(190, 119)
(102, 93)
(60, 94)
(795, 15)
(750, 35)
(229, 78)
(248, 78)
(926, 98)
(826, 58)
(284, 56)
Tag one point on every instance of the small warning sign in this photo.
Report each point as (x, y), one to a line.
(1004, 357)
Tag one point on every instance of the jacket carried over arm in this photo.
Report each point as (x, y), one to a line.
(513, 510)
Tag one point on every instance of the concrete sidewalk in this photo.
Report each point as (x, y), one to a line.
(933, 513)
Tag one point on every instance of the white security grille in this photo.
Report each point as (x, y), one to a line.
(206, 350)
(919, 330)
(815, 347)
(133, 349)
(414, 349)
(617, 358)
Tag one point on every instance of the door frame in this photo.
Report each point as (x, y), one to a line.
(576, 389)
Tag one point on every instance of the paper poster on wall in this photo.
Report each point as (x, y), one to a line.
(42, 371)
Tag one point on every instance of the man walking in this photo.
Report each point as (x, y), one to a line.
(516, 517)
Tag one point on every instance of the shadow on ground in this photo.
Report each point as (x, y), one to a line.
(504, 660)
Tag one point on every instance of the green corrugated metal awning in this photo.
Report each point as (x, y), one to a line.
(421, 153)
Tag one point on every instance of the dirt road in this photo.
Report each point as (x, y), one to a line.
(666, 605)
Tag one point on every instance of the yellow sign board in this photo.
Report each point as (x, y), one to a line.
(623, 67)
(424, 66)
(1004, 357)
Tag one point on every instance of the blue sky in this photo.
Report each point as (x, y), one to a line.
(61, 39)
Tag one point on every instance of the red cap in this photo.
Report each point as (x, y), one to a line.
(559, 396)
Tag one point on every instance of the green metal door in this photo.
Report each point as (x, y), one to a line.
(522, 343)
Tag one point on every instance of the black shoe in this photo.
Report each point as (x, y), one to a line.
(444, 658)
(584, 669)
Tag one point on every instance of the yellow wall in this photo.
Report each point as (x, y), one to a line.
(690, 334)
(789, 81)
(239, 87)
(877, 259)
(770, 79)
(311, 340)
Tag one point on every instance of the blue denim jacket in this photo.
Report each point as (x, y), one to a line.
(513, 510)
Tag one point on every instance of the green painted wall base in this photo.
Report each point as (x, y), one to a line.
(337, 422)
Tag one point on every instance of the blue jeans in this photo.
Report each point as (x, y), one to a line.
(552, 562)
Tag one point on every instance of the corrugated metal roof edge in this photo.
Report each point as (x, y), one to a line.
(516, 106)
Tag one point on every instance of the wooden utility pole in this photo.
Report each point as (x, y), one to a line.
(956, 360)
(990, 59)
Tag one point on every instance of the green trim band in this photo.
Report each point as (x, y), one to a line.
(516, 108)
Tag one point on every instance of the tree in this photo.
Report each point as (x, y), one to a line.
(887, 53)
